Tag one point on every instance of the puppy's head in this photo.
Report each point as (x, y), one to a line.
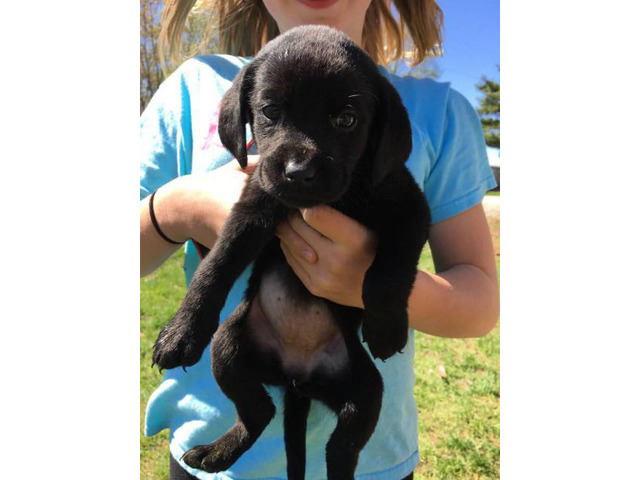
(319, 110)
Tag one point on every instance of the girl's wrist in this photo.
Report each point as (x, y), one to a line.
(169, 206)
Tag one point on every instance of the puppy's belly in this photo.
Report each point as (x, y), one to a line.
(286, 320)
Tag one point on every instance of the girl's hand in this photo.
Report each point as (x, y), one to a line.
(329, 252)
(198, 205)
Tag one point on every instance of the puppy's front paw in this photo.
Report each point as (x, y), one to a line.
(384, 336)
(180, 343)
(215, 457)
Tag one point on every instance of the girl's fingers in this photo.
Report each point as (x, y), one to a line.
(296, 265)
(334, 225)
(252, 163)
(295, 243)
(311, 236)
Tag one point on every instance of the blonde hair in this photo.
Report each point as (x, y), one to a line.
(242, 27)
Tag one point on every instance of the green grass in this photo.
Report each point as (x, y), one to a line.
(457, 390)
(160, 295)
(458, 396)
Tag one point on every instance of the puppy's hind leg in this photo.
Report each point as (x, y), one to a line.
(239, 380)
(296, 411)
(357, 404)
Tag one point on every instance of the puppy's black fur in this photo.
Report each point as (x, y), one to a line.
(330, 129)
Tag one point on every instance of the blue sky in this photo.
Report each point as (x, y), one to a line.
(471, 44)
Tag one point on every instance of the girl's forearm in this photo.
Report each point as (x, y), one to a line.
(190, 207)
(459, 302)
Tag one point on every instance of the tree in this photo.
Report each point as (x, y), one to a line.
(490, 111)
(194, 41)
(150, 71)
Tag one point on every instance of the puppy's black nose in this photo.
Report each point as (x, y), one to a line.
(297, 172)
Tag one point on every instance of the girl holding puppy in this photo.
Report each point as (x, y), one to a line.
(196, 183)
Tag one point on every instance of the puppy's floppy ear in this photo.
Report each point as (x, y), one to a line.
(393, 132)
(235, 113)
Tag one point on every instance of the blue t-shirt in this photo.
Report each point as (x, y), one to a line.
(179, 136)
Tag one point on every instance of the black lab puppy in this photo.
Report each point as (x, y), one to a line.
(330, 129)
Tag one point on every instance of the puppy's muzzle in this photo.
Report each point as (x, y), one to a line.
(303, 180)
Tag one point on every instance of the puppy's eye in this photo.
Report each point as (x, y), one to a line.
(345, 121)
(272, 112)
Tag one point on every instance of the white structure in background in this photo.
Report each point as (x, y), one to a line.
(494, 161)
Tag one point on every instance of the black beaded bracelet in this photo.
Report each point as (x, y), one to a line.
(155, 222)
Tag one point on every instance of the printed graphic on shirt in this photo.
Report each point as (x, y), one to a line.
(212, 139)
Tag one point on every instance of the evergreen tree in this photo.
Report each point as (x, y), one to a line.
(490, 111)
